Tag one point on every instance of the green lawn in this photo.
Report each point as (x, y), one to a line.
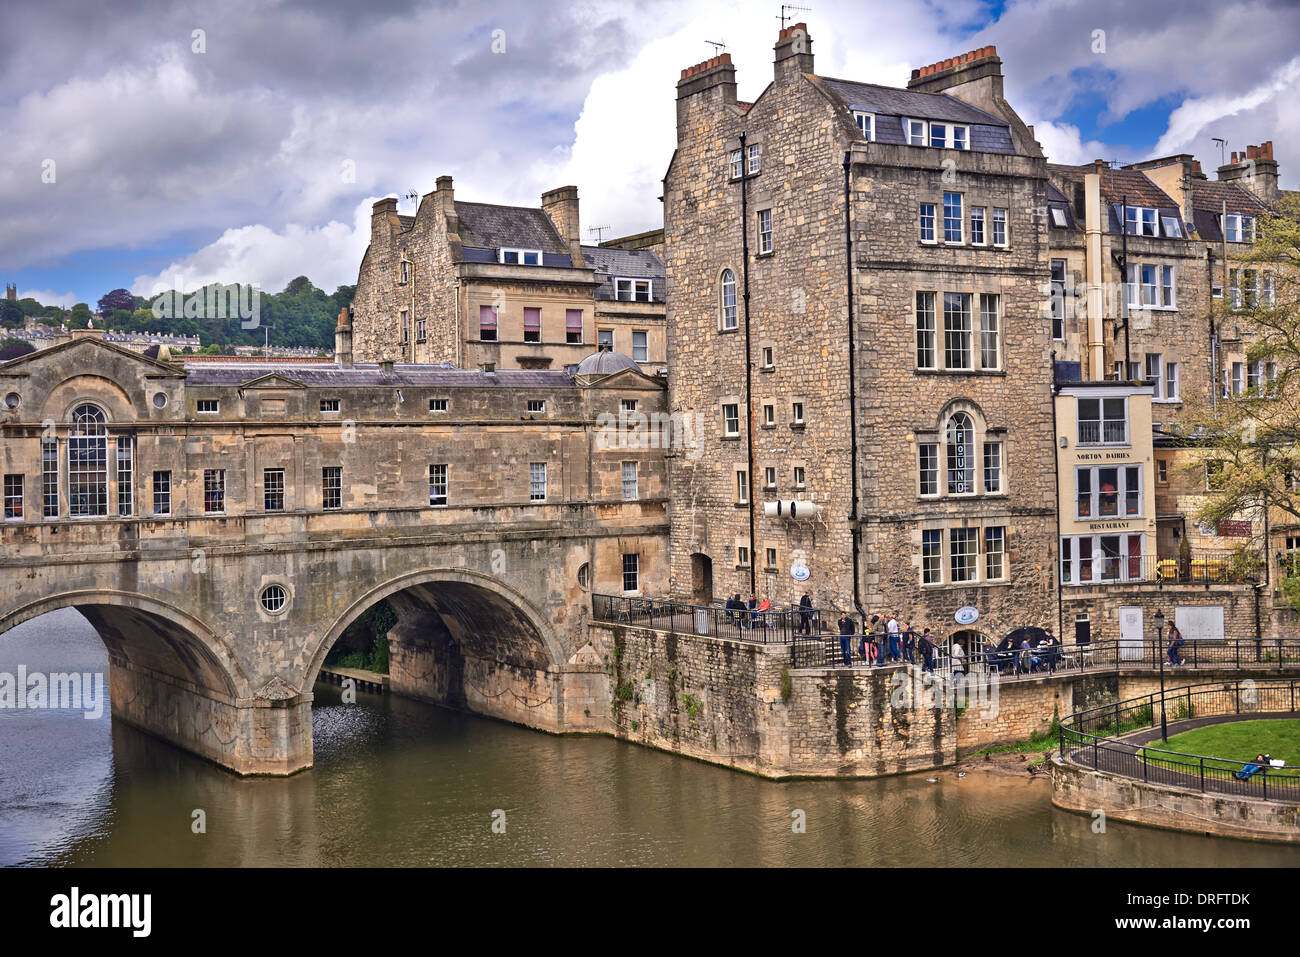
(1239, 741)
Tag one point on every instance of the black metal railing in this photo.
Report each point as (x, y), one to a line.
(776, 625)
(1104, 569)
(1104, 738)
(1243, 654)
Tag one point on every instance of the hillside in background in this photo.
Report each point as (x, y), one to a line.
(300, 315)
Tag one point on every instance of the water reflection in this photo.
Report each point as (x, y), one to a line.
(401, 783)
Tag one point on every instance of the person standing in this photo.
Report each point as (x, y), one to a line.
(958, 654)
(891, 631)
(805, 615)
(846, 638)
(870, 650)
(927, 651)
(909, 643)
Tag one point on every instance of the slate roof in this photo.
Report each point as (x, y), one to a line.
(326, 375)
(491, 227)
(1208, 197)
(611, 264)
(1118, 183)
(988, 133)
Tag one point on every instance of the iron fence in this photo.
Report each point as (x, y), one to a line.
(776, 625)
(1092, 739)
(1110, 567)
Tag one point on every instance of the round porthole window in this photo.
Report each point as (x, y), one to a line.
(274, 598)
(13, 400)
(159, 399)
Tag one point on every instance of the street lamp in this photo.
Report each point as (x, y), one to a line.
(1160, 644)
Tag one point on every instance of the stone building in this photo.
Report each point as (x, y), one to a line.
(483, 286)
(268, 450)
(943, 400)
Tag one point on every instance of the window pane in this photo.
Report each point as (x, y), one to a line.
(925, 330)
(956, 330)
(961, 465)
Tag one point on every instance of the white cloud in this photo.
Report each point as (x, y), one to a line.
(1062, 143)
(48, 297)
(329, 255)
(1195, 115)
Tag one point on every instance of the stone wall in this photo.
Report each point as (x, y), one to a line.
(1155, 805)
(738, 704)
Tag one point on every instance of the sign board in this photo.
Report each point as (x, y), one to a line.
(1199, 622)
(967, 615)
(799, 572)
(1206, 529)
(1234, 529)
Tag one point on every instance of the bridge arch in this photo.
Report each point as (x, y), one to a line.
(150, 635)
(476, 610)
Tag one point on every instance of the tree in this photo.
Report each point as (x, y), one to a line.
(11, 314)
(1251, 441)
(114, 300)
(13, 348)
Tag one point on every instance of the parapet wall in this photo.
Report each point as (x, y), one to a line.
(739, 704)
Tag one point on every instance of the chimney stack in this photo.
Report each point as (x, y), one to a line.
(343, 339)
(708, 87)
(979, 71)
(561, 205)
(793, 53)
(1254, 169)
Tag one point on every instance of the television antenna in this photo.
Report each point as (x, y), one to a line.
(1223, 160)
(412, 194)
(718, 46)
(785, 16)
(598, 232)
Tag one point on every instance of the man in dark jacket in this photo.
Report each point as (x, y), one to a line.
(847, 627)
(805, 615)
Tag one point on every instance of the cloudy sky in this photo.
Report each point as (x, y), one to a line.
(245, 141)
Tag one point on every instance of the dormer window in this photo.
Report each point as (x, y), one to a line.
(521, 257)
(1239, 229)
(960, 138)
(1058, 217)
(1140, 221)
(916, 132)
(866, 124)
(632, 290)
(1172, 229)
(939, 135)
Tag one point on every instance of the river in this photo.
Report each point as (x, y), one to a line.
(398, 782)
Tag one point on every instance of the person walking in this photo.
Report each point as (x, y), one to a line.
(805, 615)
(1175, 643)
(846, 638)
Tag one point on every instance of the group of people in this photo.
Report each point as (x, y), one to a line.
(747, 615)
(887, 641)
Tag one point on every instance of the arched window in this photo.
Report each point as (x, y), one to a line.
(961, 455)
(88, 462)
(728, 299)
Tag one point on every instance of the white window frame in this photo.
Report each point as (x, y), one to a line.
(978, 237)
(736, 161)
(521, 256)
(915, 132)
(921, 218)
(537, 482)
(643, 348)
(727, 421)
(764, 232)
(439, 480)
(208, 406)
(754, 159)
(631, 481)
(633, 289)
(1000, 219)
(1101, 420)
(866, 124)
(959, 219)
(1121, 492)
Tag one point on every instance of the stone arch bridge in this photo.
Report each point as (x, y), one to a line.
(221, 525)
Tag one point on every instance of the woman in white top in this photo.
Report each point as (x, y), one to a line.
(957, 653)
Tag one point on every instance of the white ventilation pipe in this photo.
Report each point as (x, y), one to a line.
(791, 509)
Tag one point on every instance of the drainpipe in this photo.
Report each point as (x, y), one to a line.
(1055, 564)
(1123, 232)
(1095, 275)
(853, 393)
(749, 366)
(1214, 337)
